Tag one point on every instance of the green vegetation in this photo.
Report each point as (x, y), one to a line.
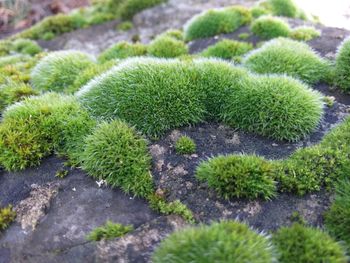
(258, 11)
(285, 56)
(185, 145)
(342, 68)
(304, 33)
(337, 219)
(11, 92)
(284, 108)
(38, 126)
(159, 204)
(227, 49)
(116, 153)
(167, 47)
(227, 241)
(239, 176)
(128, 8)
(302, 244)
(123, 50)
(7, 216)
(244, 36)
(58, 70)
(174, 33)
(285, 8)
(109, 230)
(216, 21)
(26, 46)
(125, 26)
(173, 93)
(267, 27)
(13, 59)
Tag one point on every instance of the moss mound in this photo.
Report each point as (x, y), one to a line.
(227, 241)
(343, 66)
(26, 46)
(302, 244)
(304, 33)
(227, 49)
(58, 70)
(157, 95)
(167, 47)
(123, 50)
(239, 176)
(116, 153)
(289, 57)
(216, 21)
(129, 8)
(185, 145)
(37, 126)
(268, 27)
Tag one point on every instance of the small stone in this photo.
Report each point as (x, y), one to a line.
(274, 144)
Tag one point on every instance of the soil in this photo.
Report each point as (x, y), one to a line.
(55, 215)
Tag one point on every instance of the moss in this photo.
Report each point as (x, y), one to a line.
(302, 244)
(167, 47)
(116, 153)
(7, 216)
(129, 8)
(160, 205)
(227, 241)
(185, 145)
(337, 218)
(125, 26)
(123, 50)
(174, 33)
(283, 8)
(13, 59)
(244, 36)
(258, 11)
(156, 95)
(239, 176)
(342, 68)
(284, 108)
(267, 27)
(227, 49)
(37, 126)
(304, 33)
(216, 21)
(11, 92)
(285, 56)
(58, 70)
(26, 46)
(109, 230)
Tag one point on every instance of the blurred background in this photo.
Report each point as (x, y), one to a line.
(16, 15)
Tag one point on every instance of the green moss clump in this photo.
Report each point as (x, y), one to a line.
(7, 216)
(239, 176)
(156, 95)
(285, 56)
(13, 59)
(109, 230)
(11, 92)
(58, 70)
(216, 21)
(304, 33)
(185, 145)
(267, 27)
(129, 8)
(37, 126)
(123, 50)
(258, 11)
(174, 33)
(302, 244)
(125, 26)
(26, 46)
(337, 218)
(167, 47)
(284, 108)
(227, 49)
(227, 241)
(342, 68)
(116, 153)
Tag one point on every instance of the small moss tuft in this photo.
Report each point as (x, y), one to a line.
(116, 153)
(123, 50)
(185, 145)
(129, 8)
(7, 216)
(58, 70)
(227, 49)
(304, 33)
(267, 27)
(216, 21)
(227, 241)
(167, 47)
(301, 244)
(125, 26)
(239, 176)
(342, 70)
(109, 230)
(26, 46)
